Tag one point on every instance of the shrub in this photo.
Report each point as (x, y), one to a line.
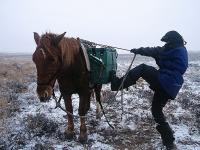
(40, 125)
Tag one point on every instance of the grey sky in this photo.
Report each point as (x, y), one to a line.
(123, 23)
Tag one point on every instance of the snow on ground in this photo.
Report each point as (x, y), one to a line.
(134, 129)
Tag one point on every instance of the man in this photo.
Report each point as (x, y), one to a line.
(172, 60)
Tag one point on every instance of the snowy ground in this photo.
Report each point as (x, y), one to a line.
(39, 126)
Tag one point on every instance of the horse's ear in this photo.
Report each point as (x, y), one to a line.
(59, 38)
(36, 37)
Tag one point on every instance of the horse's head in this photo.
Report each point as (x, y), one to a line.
(48, 60)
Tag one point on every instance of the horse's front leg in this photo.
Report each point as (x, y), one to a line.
(69, 131)
(83, 108)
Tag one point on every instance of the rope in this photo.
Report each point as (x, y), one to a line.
(105, 115)
(122, 85)
(126, 74)
(58, 105)
(102, 45)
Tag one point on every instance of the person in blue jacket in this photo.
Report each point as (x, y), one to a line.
(172, 60)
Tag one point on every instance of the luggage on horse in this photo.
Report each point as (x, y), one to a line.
(102, 62)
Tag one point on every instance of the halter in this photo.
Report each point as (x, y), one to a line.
(54, 77)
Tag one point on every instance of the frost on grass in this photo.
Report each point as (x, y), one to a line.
(38, 125)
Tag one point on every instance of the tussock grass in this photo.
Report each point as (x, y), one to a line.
(15, 74)
(40, 125)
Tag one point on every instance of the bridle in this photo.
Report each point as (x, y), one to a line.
(54, 77)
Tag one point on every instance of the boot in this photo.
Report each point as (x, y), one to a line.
(171, 147)
(166, 135)
(116, 81)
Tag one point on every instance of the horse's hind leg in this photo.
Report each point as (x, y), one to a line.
(69, 132)
(83, 104)
(98, 98)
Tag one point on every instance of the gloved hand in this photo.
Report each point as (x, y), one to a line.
(136, 50)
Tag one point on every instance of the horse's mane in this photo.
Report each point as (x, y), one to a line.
(68, 47)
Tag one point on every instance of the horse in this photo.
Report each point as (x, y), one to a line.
(60, 58)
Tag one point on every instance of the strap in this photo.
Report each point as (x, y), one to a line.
(85, 54)
(105, 114)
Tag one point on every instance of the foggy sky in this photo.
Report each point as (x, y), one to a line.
(123, 23)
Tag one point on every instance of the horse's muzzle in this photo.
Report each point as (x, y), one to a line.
(44, 93)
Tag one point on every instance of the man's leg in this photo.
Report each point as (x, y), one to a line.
(159, 101)
(148, 73)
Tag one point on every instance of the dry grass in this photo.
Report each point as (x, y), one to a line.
(15, 74)
(16, 68)
(3, 106)
(40, 125)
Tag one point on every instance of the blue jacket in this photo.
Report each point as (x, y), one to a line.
(172, 65)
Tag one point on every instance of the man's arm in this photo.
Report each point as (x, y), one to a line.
(148, 51)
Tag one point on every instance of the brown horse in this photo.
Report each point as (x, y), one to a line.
(59, 58)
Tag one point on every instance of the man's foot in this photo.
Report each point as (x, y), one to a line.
(115, 81)
(166, 135)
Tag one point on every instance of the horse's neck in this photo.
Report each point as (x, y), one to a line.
(70, 49)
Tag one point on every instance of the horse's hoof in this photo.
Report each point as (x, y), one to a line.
(70, 135)
(83, 139)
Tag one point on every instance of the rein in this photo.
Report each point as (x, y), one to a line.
(55, 76)
(51, 79)
(58, 105)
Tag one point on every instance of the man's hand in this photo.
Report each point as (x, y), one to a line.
(136, 50)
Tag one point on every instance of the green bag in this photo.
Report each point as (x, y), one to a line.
(102, 61)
